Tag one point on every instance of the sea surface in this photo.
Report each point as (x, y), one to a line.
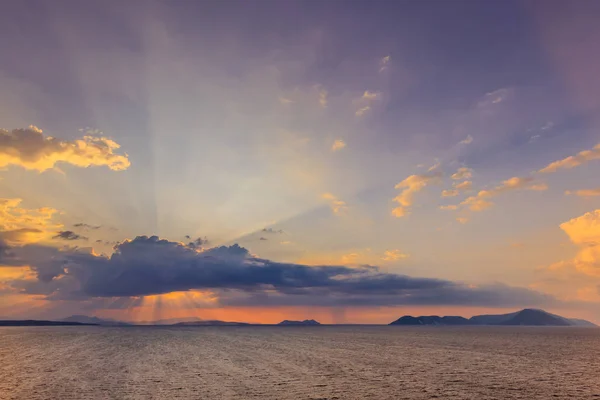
(326, 362)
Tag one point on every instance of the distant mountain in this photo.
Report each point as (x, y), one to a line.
(526, 317)
(32, 322)
(306, 322)
(210, 323)
(84, 319)
(431, 320)
(169, 321)
(582, 322)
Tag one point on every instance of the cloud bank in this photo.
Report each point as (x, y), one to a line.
(151, 266)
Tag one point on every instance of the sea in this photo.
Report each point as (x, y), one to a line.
(323, 362)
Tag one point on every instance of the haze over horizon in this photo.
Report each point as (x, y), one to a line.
(262, 161)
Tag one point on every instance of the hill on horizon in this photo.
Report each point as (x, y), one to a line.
(525, 317)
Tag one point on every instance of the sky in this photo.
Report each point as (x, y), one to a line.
(258, 161)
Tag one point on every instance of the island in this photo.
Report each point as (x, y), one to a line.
(306, 322)
(525, 317)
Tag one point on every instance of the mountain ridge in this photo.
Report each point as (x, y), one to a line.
(525, 317)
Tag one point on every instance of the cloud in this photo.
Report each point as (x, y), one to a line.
(28, 148)
(86, 226)
(411, 185)
(370, 96)
(393, 255)
(462, 173)
(584, 232)
(337, 206)
(286, 101)
(338, 144)
(573, 161)
(495, 97)
(482, 200)
(362, 110)
(366, 101)
(584, 192)
(152, 266)
(69, 235)
(466, 185)
(458, 187)
(271, 230)
(384, 63)
(449, 207)
(449, 193)
(467, 140)
(23, 225)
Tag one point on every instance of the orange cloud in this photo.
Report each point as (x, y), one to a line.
(573, 161)
(584, 232)
(462, 173)
(393, 255)
(481, 200)
(337, 206)
(584, 192)
(411, 185)
(21, 225)
(28, 148)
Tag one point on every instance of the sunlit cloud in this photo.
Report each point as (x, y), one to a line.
(462, 173)
(393, 255)
(338, 206)
(584, 232)
(482, 200)
(584, 192)
(30, 149)
(365, 102)
(573, 161)
(411, 186)
(22, 225)
(450, 207)
(338, 144)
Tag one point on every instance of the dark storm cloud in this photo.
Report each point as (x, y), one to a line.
(69, 235)
(149, 265)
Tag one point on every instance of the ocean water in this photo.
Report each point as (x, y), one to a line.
(327, 362)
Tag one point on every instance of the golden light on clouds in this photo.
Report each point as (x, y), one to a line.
(584, 192)
(584, 232)
(462, 173)
(21, 225)
(573, 161)
(411, 186)
(30, 149)
(393, 255)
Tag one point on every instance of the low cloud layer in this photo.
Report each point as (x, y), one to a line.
(30, 149)
(150, 266)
